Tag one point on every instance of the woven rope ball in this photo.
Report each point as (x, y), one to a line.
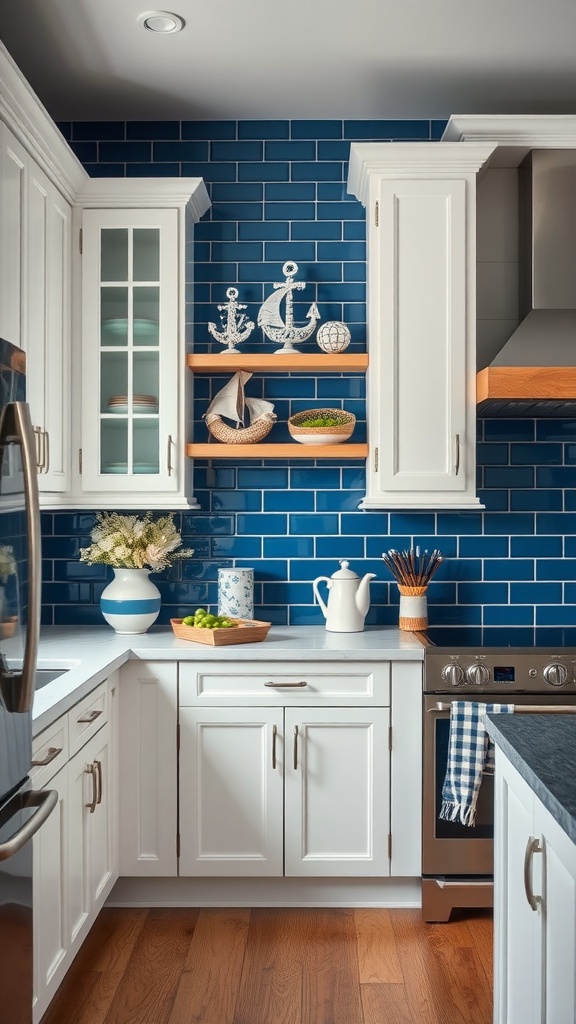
(333, 336)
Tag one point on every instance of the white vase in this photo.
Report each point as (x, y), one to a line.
(131, 602)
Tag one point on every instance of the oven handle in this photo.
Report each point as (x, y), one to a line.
(523, 709)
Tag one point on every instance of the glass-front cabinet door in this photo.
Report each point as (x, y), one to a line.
(130, 333)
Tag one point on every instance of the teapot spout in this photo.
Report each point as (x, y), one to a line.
(363, 593)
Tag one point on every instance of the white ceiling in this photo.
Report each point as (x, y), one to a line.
(90, 59)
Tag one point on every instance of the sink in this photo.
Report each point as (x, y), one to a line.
(47, 675)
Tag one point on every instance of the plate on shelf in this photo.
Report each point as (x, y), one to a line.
(146, 467)
(115, 467)
(122, 409)
(117, 327)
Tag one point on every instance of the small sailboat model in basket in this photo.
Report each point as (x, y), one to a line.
(270, 319)
(231, 403)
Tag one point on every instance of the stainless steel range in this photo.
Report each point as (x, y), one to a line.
(457, 859)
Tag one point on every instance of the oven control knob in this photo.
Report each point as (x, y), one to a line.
(477, 674)
(453, 674)
(556, 674)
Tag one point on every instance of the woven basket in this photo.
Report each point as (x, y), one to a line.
(341, 431)
(239, 435)
(245, 631)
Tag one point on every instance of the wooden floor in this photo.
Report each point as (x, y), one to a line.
(296, 966)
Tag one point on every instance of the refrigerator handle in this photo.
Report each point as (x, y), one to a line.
(16, 428)
(45, 801)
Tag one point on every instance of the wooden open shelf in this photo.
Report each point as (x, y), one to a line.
(217, 450)
(299, 362)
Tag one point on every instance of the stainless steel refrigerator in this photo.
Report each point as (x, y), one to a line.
(22, 811)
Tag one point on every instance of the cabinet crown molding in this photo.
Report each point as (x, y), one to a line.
(532, 129)
(413, 160)
(155, 193)
(28, 119)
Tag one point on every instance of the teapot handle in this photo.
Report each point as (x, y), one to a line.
(321, 579)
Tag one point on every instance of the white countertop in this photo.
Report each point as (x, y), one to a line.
(92, 653)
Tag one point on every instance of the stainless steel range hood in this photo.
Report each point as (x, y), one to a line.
(535, 373)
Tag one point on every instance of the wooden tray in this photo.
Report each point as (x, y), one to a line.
(245, 631)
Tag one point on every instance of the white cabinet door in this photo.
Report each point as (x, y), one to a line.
(535, 943)
(35, 296)
(50, 899)
(558, 953)
(516, 937)
(91, 855)
(47, 342)
(148, 763)
(14, 161)
(337, 791)
(231, 791)
(420, 203)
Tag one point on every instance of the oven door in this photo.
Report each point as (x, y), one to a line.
(449, 848)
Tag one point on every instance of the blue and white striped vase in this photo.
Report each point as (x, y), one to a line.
(131, 602)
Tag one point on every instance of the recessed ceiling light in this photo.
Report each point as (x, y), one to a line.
(161, 21)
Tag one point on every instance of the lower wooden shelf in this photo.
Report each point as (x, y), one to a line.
(277, 451)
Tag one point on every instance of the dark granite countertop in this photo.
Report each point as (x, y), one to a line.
(543, 750)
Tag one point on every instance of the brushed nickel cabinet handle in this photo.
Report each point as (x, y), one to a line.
(302, 683)
(98, 765)
(169, 455)
(90, 770)
(274, 735)
(46, 450)
(532, 847)
(457, 459)
(51, 753)
(38, 449)
(90, 717)
(295, 747)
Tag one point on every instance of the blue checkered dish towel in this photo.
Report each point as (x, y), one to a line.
(470, 753)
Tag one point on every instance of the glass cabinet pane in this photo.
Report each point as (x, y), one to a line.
(146, 445)
(146, 254)
(146, 315)
(130, 351)
(114, 382)
(114, 445)
(114, 254)
(114, 316)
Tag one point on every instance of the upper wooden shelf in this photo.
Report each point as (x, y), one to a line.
(312, 362)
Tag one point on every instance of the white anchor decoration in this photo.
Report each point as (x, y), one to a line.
(236, 327)
(270, 319)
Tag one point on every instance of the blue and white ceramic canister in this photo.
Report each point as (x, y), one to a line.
(236, 593)
(131, 602)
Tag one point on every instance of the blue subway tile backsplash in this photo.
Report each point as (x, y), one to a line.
(278, 191)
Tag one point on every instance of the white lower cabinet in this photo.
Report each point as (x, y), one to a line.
(295, 791)
(534, 908)
(285, 770)
(75, 852)
(148, 763)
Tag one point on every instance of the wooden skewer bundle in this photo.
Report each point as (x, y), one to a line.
(411, 569)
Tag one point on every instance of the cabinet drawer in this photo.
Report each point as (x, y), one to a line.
(281, 684)
(87, 717)
(49, 752)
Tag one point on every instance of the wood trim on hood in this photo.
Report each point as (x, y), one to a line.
(538, 382)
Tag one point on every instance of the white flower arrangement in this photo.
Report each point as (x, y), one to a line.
(127, 542)
(7, 562)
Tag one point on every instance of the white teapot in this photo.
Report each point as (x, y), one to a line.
(348, 599)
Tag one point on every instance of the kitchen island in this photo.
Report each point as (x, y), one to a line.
(534, 868)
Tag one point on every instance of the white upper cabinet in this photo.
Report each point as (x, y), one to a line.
(35, 300)
(421, 216)
(123, 301)
(132, 411)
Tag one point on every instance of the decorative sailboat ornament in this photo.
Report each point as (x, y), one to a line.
(231, 403)
(270, 319)
(236, 327)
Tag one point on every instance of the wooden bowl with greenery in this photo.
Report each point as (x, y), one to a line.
(321, 426)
